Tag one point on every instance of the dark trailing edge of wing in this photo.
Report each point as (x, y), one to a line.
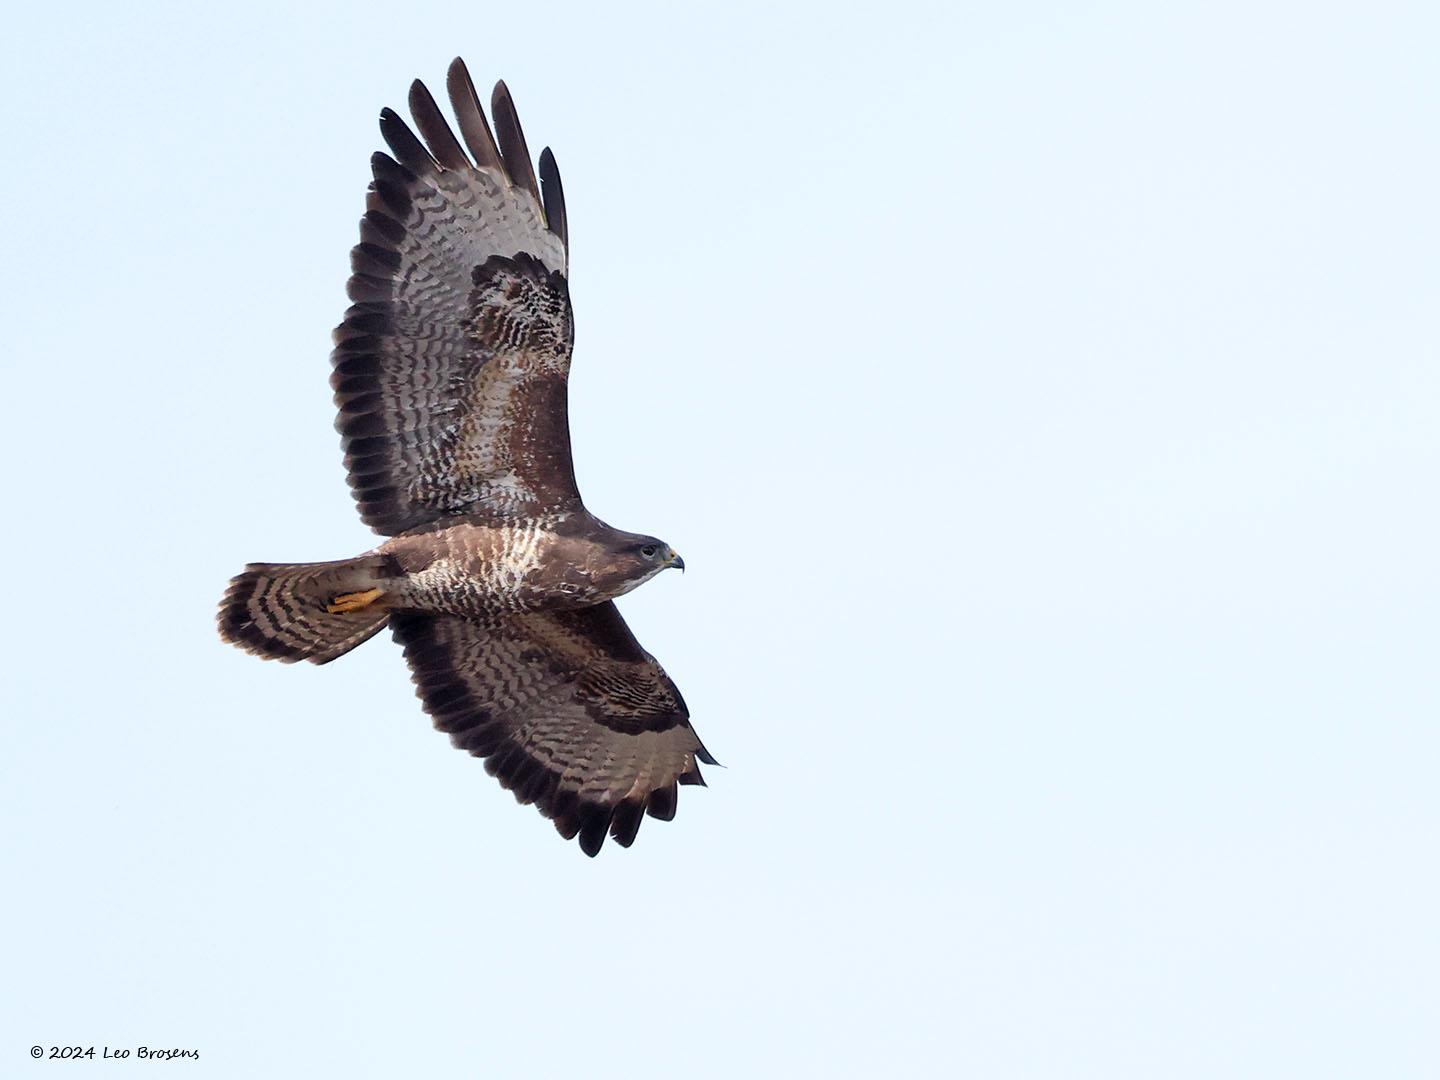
(367, 323)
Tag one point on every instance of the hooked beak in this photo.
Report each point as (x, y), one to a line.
(676, 561)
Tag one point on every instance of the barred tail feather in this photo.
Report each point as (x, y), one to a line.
(278, 610)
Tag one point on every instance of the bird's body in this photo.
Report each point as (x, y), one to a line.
(542, 564)
(450, 373)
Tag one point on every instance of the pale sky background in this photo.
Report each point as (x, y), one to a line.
(1044, 398)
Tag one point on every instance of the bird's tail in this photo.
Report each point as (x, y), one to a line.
(306, 611)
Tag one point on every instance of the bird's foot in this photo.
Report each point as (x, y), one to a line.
(353, 601)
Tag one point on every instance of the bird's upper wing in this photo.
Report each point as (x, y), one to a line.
(568, 710)
(451, 364)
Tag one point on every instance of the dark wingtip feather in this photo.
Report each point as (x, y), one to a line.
(692, 777)
(554, 198)
(408, 150)
(434, 129)
(474, 128)
(513, 151)
(662, 803)
(626, 823)
(593, 826)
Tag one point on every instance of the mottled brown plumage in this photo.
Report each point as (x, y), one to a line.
(450, 372)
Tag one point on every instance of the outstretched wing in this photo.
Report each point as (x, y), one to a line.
(568, 710)
(451, 364)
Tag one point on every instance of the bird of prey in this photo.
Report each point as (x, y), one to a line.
(449, 372)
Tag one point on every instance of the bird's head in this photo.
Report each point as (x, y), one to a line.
(650, 555)
(630, 560)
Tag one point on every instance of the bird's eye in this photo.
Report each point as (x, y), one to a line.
(648, 551)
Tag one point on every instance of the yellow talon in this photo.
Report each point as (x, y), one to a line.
(354, 601)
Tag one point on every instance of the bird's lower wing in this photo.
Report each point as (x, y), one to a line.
(568, 710)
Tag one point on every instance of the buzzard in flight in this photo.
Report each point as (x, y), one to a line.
(450, 380)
